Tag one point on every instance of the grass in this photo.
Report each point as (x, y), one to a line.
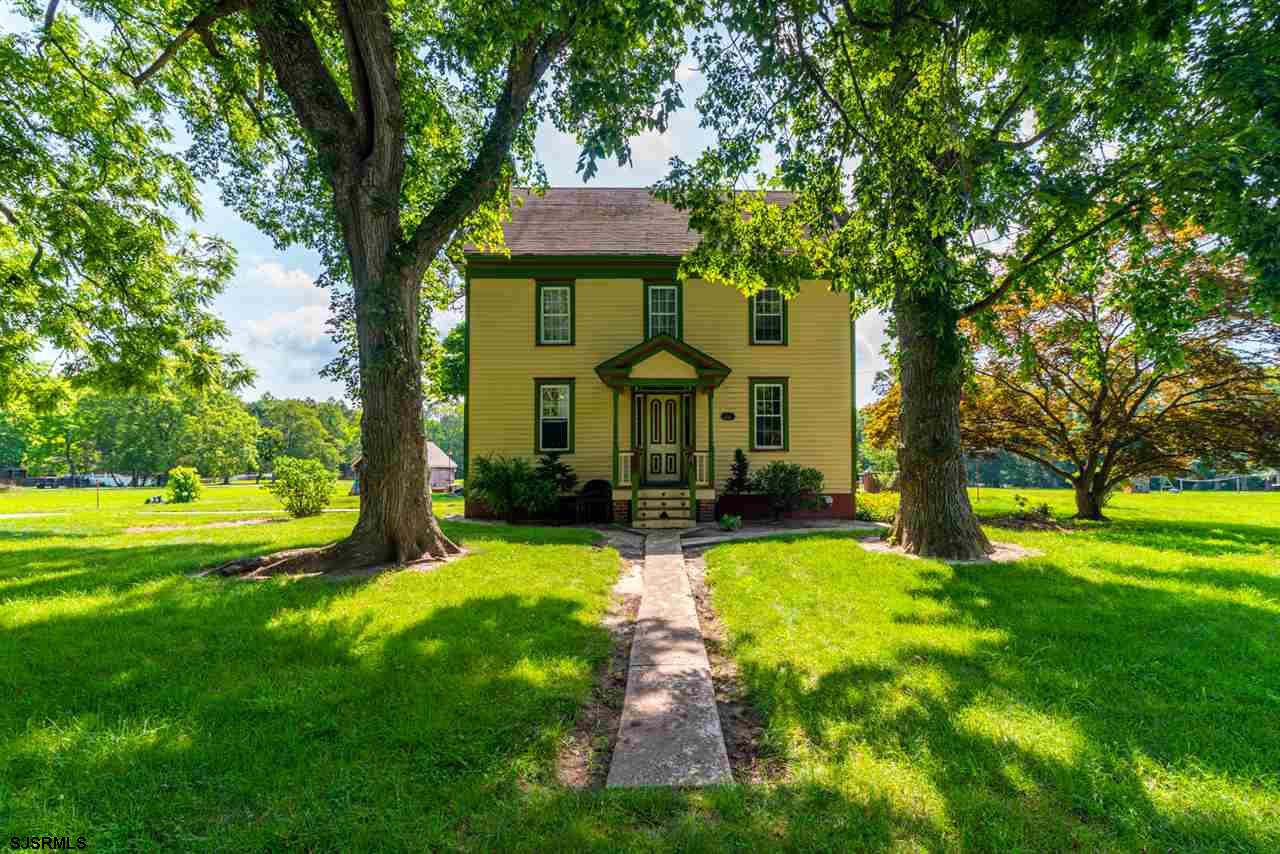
(145, 709)
(1119, 692)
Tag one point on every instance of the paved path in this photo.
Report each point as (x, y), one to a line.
(670, 732)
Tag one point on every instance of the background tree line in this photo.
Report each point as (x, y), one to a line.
(142, 435)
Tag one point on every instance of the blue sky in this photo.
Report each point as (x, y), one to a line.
(277, 315)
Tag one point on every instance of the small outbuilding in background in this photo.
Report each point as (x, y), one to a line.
(441, 470)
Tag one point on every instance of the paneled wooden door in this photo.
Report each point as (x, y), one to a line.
(662, 434)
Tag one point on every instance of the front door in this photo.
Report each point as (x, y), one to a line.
(662, 448)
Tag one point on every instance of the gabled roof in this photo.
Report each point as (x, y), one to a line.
(616, 370)
(437, 458)
(595, 221)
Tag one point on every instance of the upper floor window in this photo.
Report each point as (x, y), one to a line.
(768, 318)
(555, 313)
(662, 309)
(555, 415)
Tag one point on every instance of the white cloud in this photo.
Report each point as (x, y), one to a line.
(297, 283)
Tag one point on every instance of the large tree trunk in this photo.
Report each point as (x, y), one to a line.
(396, 524)
(1088, 501)
(934, 518)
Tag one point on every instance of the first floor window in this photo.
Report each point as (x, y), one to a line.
(555, 415)
(768, 318)
(769, 415)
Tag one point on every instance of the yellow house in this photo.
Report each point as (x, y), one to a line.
(585, 341)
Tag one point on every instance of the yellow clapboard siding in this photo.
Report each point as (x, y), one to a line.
(815, 360)
(663, 365)
(505, 361)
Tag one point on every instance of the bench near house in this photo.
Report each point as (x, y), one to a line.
(585, 341)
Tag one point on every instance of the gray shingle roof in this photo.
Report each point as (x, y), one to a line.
(599, 221)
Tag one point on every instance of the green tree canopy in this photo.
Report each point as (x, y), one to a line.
(943, 155)
(384, 136)
(93, 262)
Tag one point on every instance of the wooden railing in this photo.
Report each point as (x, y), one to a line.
(626, 459)
(700, 468)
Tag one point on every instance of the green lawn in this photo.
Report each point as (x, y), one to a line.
(1121, 691)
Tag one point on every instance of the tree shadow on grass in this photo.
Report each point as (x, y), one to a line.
(275, 716)
(1205, 539)
(102, 565)
(1071, 700)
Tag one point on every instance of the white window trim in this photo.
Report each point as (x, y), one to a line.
(756, 415)
(757, 314)
(567, 418)
(674, 314)
(568, 314)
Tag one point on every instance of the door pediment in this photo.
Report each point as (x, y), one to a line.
(663, 366)
(662, 358)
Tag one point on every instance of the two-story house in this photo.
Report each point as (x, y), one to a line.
(585, 341)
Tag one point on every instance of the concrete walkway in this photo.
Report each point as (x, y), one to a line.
(670, 731)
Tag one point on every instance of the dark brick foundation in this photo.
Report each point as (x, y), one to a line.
(757, 507)
(622, 512)
(706, 510)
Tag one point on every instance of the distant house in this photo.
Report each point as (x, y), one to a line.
(441, 470)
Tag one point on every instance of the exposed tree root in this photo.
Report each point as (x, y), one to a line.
(356, 552)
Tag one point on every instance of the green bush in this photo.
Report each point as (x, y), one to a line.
(511, 487)
(876, 506)
(730, 522)
(739, 480)
(304, 487)
(184, 485)
(552, 468)
(788, 486)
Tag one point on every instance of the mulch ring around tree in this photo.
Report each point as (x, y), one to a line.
(1004, 552)
(1029, 522)
(751, 758)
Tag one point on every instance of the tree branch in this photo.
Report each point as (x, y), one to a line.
(528, 63)
(199, 24)
(300, 69)
(1030, 259)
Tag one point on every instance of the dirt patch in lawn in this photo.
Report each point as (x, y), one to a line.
(584, 757)
(237, 523)
(1004, 552)
(750, 756)
(1028, 522)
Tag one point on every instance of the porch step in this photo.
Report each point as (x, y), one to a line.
(663, 503)
(664, 492)
(673, 513)
(661, 523)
